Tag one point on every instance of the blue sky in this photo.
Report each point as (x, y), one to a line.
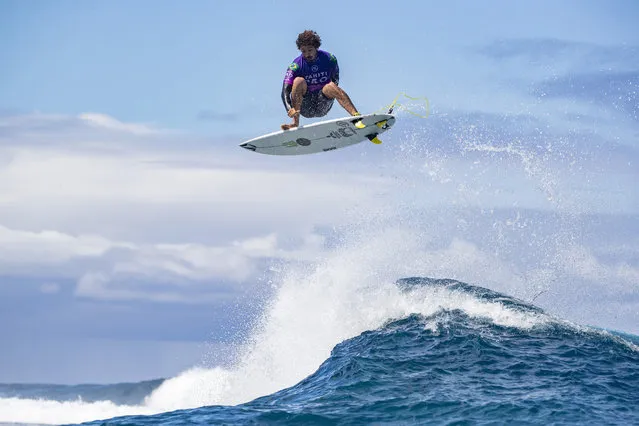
(130, 219)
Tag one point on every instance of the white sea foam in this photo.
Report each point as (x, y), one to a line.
(42, 411)
(313, 310)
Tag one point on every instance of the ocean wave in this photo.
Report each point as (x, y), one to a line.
(461, 361)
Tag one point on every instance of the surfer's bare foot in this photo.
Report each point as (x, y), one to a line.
(295, 115)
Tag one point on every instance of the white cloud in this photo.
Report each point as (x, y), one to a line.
(118, 268)
(58, 129)
(18, 247)
(105, 121)
(619, 277)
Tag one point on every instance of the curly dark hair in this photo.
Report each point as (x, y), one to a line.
(309, 38)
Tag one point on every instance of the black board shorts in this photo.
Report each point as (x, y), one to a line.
(315, 104)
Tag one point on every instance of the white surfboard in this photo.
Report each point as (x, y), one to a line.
(322, 136)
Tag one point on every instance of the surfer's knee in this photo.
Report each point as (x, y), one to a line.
(332, 90)
(299, 84)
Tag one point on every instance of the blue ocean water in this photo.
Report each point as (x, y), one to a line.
(484, 358)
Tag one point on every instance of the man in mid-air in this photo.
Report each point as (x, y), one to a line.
(311, 82)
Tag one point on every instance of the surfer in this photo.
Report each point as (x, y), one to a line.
(311, 83)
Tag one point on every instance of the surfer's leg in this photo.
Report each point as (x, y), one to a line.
(333, 91)
(297, 95)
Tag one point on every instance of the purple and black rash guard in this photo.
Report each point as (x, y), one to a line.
(317, 74)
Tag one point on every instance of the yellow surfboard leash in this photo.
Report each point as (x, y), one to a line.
(395, 103)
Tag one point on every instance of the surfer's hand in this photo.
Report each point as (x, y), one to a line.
(293, 112)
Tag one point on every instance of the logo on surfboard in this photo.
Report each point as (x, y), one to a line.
(342, 132)
(296, 142)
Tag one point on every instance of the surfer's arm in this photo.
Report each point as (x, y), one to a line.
(287, 86)
(286, 96)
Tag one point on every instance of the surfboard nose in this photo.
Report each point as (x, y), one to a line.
(248, 146)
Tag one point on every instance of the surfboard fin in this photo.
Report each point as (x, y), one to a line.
(373, 138)
(358, 121)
